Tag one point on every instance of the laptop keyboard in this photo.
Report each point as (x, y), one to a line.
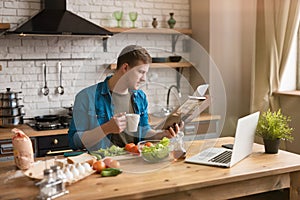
(224, 157)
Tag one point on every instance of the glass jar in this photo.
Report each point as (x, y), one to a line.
(179, 151)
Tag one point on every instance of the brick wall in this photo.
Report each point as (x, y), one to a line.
(27, 75)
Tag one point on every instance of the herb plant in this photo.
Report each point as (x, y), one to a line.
(274, 125)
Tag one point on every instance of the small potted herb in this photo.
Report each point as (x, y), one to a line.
(274, 127)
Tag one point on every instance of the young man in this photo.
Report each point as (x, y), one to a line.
(99, 113)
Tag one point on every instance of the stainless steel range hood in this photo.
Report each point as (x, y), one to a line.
(55, 20)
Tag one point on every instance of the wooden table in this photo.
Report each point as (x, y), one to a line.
(258, 173)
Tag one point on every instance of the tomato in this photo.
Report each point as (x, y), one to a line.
(114, 164)
(148, 144)
(99, 165)
(107, 161)
(135, 149)
(129, 146)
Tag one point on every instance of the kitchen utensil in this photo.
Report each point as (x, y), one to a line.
(11, 121)
(118, 16)
(45, 89)
(60, 89)
(133, 17)
(9, 94)
(46, 118)
(70, 110)
(8, 111)
(9, 103)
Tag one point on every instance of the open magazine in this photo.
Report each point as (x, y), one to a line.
(188, 111)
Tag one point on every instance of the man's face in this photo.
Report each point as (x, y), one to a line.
(136, 75)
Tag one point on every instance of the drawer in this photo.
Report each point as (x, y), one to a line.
(6, 149)
(52, 142)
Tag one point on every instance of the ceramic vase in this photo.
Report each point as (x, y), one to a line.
(171, 21)
(154, 23)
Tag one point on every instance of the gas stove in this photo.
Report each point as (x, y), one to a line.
(62, 122)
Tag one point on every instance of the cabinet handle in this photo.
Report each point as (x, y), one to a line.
(55, 141)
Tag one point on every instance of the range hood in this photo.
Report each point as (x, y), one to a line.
(55, 20)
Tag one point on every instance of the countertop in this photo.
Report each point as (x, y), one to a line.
(5, 133)
(258, 173)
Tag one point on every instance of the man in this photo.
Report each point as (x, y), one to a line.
(99, 113)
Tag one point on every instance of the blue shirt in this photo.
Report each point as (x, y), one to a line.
(93, 107)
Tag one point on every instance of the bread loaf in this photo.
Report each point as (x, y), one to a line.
(82, 158)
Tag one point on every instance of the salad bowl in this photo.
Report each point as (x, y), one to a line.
(154, 151)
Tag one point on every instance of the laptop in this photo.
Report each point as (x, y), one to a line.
(243, 143)
(200, 92)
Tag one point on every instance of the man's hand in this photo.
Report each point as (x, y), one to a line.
(169, 133)
(116, 124)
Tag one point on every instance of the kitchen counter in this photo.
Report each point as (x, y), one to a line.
(258, 173)
(5, 133)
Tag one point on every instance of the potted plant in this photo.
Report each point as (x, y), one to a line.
(274, 127)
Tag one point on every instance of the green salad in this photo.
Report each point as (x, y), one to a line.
(111, 151)
(156, 152)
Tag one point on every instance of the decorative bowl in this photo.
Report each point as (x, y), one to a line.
(154, 151)
(174, 58)
(159, 59)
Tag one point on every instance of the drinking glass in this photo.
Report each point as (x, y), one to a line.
(133, 16)
(118, 16)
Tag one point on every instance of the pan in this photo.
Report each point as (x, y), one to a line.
(44, 118)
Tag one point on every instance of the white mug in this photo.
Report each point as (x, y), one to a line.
(132, 122)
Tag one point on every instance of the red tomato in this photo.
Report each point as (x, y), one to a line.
(114, 164)
(135, 149)
(99, 166)
(148, 144)
(129, 146)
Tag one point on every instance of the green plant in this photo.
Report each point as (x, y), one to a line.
(274, 125)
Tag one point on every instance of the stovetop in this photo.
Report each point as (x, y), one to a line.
(53, 125)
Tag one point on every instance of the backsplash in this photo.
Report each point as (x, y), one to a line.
(86, 62)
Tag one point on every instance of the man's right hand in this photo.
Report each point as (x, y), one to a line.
(116, 124)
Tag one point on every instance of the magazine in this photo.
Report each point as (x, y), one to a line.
(188, 111)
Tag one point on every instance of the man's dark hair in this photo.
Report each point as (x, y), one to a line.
(132, 54)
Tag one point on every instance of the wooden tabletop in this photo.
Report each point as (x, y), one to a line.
(178, 180)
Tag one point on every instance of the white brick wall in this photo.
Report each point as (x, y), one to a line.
(27, 76)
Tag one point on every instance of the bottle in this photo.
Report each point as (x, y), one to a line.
(47, 189)
(154, 23)
(171, 21)
(179, 151)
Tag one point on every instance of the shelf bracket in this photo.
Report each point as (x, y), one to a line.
(105, 44)
(174, 41)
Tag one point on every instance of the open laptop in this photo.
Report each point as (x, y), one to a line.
(243, 143)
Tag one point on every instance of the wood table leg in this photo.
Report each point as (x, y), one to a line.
(295, 185)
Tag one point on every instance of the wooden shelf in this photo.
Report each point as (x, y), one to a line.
(162, 65)
(4, 26)
(150, 30)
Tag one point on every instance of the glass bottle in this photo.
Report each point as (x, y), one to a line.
(46, 185)
(171, 21)
(179, 151)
